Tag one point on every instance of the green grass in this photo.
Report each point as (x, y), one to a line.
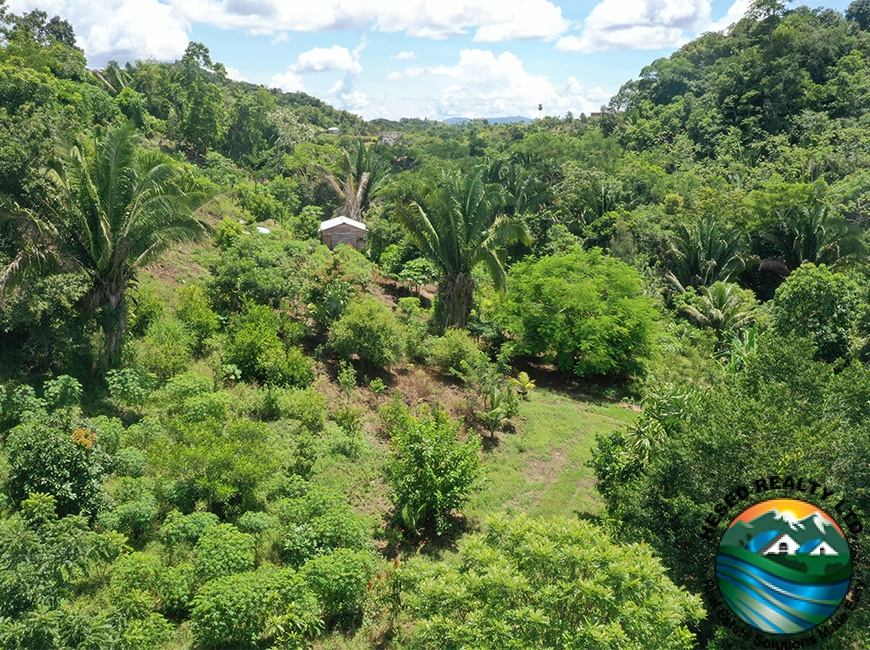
(541, 469)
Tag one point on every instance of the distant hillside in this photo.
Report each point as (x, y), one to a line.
(513, 119)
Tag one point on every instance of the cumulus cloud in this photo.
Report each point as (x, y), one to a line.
(482, 84)
(321, 59)
(119, 29)
(493, 21)
(289, 82)
(638, 24)
(404, 56)
(235, 74)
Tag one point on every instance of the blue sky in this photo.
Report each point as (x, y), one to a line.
(409, 58)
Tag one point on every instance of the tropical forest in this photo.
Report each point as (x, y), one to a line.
(502, 421)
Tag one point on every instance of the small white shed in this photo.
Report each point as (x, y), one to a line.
(342, 230)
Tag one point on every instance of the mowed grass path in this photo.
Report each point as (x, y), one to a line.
(541, 468)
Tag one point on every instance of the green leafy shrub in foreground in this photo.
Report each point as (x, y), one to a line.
(545, 583)
(247, 609)
(430, 471)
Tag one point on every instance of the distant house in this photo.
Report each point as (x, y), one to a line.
(782, 544)
(333, 130)
(342, 230)
(390, 137)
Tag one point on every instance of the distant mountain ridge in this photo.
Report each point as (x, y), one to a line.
(513, 119)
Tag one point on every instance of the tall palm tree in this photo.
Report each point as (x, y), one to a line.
(704, 253)
(460, 224)
(363, 173)
(106, 217)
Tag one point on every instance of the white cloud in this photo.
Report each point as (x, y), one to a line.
(235, 74)
(119, 29)
(289, 82)
(404, 56)
(321, 59)
(482, 84)
(735, 12)
(638, 24)
(493, 21)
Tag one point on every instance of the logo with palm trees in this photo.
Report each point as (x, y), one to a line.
(783, 566)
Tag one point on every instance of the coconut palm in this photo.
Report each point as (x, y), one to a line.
(460, 224)
(363, 173)
(106, 217)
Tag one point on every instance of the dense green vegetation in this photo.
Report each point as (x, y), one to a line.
(218, 433)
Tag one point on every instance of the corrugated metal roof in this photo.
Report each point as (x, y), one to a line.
(325, 225)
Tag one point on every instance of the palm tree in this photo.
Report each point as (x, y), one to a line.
(363, 173)
(704, 253)
(812, 234)
(106, 217)
(722, 308)
(460, 225)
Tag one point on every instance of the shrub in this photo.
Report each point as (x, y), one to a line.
(130, 461)
(136, 508)
(254, 347)
(269, 605)
(178, 528)
(195, 312)
(151, 633)
(368, 329)
(207, 406)
(175, 588)
(546, 583)
(339, 580)
(256, 523)
(223, 550)
(166, 348)
(49, 460)
(130, 386)
(583, 311)
(816, 302)
(429, 470)
(318, 522)
(450, 350)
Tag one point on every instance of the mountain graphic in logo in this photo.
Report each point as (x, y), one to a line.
(783, 566)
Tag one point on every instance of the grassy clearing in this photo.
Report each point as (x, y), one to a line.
(541, 469)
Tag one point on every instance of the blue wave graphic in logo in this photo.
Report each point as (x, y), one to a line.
(773, 604)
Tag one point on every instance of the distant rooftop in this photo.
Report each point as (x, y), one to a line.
(337, 221)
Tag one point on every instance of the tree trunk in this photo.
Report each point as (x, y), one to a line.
(113, 322)
(455, 296)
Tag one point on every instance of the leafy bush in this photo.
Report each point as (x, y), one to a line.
(213, 465)
(316, 523)
(166, 349)
(816, 302)
(368, 329)
(147, 308)
(130, 386)
(130, 461)
(583, 311)
(178, 528)
(429, 470)
(182, 387)
(151, 633)
(135, 509)
(254, 347)
(245, 610)
(450, 350)
(49, 460)
(223, 550)
(307, 405)
(195, 312)
(207, 406)
(340, 582)
(255, 523)
(549, 583)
